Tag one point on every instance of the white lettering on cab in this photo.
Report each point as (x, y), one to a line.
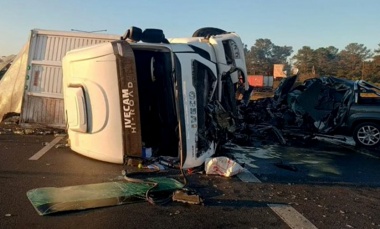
(128, 108)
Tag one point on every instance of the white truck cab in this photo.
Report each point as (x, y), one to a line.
(126, 96)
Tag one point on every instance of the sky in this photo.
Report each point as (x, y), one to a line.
(295, 23)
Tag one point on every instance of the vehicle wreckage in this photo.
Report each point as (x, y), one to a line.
(184, 99)
(320, 106)
(147, 95)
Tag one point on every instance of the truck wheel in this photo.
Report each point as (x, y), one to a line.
(367, 134)
(208, 31)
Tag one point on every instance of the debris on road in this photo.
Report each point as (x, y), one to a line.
(58, 199)
(187, 196)
(62, 145)
(10, 125)
(223, 166)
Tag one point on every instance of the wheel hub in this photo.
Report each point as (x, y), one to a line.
(369, 135)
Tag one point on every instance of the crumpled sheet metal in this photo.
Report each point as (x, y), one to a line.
(319, 105)
(325, 100)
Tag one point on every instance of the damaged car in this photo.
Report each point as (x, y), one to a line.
(321, 106)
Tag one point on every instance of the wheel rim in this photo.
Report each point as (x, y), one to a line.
(368, 135)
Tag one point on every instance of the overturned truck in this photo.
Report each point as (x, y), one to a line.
(145, 93)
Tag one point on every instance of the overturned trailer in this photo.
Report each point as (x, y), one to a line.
(32, 86)
(126, 97)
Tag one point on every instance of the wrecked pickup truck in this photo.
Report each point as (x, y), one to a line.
(325, 106)
(363, 118)
(145, 94)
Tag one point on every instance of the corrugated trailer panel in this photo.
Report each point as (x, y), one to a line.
(54, 48)
(47, 80)
(268, 81)
(43, 100)
(53, 111)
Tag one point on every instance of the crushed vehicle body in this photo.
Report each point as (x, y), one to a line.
(173, 97)
(323, 101)
(324, 105)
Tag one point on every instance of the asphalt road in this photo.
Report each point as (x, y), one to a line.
(318, 162)
(343, 192)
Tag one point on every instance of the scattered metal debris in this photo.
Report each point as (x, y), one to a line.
(62, 145)
(10, 125)
(187, 196)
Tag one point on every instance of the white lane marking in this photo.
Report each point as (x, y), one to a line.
(291, 216)
(45, 149)
(287, 213)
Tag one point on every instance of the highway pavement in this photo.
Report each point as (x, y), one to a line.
(321, 186)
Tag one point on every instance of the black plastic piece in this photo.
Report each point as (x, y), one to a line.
(208, 31)
(134, 34)
(153, 36)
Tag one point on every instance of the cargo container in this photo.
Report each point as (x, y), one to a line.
(42, 101)
(260, 82)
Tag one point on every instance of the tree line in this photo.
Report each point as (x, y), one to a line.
(354, 62)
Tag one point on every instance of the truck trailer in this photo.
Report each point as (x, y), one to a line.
(144, 92)
(43, 98)
(32, 86)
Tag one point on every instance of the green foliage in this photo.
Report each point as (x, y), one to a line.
(304, 60)
(264, 54)
(354, 62)
(372, 68)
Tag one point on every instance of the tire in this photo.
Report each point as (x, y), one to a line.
(367, 134)
(208, 31)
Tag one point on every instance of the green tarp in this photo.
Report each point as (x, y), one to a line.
(57, 199)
